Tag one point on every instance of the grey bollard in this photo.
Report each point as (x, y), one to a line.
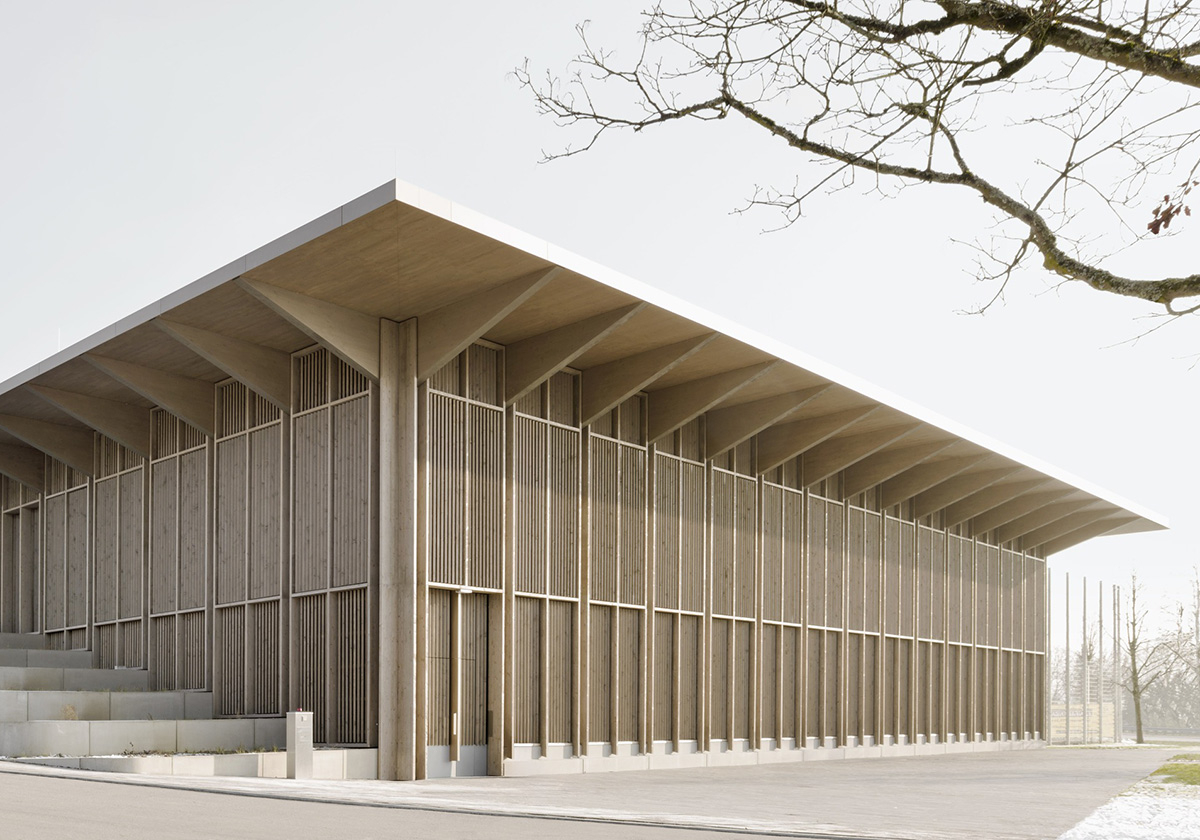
(888, 740)
(902, 740)
(811, 743)
(868, 741)
(299, 745)
(830, 743)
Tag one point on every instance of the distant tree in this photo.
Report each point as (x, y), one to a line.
(1148, 659)
(1183, 647)
(904, 92)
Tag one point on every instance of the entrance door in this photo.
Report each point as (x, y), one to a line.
(457, 678)
(30, 567)
(9, 584)
(473, 685)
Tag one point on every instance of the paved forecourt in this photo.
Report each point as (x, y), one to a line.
(996, 796)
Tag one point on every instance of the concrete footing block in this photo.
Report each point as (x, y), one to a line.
(114, 737)
(44, 737)
(87, 679)
(14, 706)
(215, 735)
(22, 641)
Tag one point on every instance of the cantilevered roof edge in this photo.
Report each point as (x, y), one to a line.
(483, 225)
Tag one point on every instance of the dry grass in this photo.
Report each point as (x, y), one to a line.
(1183, 769)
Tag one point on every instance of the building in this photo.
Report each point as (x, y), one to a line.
(495, 509)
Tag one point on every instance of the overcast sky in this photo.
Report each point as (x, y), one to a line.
(146, 144)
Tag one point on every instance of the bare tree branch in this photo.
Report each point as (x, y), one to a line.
(899, 89)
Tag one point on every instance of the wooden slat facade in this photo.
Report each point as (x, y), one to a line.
(661, 601)
(539, 590)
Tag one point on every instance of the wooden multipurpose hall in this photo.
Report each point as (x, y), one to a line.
(495, 509)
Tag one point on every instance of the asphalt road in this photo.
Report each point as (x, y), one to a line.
(1020, 795)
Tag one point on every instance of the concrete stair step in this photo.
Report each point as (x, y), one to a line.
(22, 658)
(123, 737)
(22, 641)
(14, 678)
(21, 706)
(327, 764)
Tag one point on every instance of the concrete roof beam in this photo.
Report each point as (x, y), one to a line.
(1003, 514)
(447, 331)
(670, 408)
(988, 499)
(887, 463)
(192, 400)
(72, 445)
(606, 386)
(530, 362)
(261, 369)
(350, 335)
(725, 428)
(785, 441)
(1070, 524)
(1041, 517)
(924, 476)
(958, 488)
(24, 464)
(833, 456)
(1087, 532)
(128, 425)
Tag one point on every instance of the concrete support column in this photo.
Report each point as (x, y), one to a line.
(397, 550)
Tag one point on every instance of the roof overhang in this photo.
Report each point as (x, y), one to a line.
(398, 252)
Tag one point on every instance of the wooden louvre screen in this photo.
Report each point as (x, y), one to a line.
(250, 454)
(333, 482)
